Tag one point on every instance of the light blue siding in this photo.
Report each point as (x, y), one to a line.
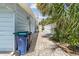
(6, 30)
(21, 21)
(32, 23)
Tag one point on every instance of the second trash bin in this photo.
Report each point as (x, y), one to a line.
(21, 41)
(28, 40)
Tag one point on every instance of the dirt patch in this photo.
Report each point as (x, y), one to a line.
(68, 49)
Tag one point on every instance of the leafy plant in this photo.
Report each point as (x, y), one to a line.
(66, 17)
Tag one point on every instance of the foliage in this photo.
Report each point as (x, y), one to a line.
(43, 7)
(67, 21)
(46, 21)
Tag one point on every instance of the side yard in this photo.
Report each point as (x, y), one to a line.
(45, 47)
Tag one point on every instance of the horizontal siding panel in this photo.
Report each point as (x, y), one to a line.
(22, 29)
(5, 33)
(20, 19)
(10, 37)
(6, 42)
(6, 24)
(5, 11)
(6, 49)
(5, 19)
(21, 15)
(5, 15)
(21, 12)
(7, 29)
(21, 24)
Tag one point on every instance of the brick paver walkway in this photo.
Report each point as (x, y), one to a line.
(45, 47)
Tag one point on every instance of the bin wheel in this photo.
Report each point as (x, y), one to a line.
(19, 52)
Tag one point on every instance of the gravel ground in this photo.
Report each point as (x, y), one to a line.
(45, 47)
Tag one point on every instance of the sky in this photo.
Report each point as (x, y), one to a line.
(36, 11)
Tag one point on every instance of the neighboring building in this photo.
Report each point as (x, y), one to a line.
(13, 18)
(40, 28)
(49, 29)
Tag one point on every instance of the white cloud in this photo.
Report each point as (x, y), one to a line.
(33, 6)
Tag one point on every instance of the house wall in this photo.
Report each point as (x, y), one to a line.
(21, 21)
(33, 25)
(6, 29)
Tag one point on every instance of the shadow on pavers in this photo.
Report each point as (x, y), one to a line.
(33, 42)
(47, 35)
